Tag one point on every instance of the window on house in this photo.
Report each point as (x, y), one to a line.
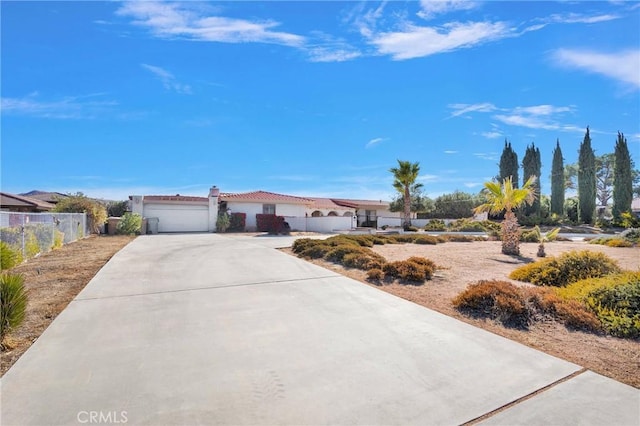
(268, 209)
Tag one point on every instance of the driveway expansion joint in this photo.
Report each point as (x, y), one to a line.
(182, 290)
(524, 398)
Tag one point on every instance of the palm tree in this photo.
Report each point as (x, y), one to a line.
(404, 180)
(503, 197)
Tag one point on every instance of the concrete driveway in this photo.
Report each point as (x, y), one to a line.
(208, 329)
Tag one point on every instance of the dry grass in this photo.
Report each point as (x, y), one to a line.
(52, 281)
(465, 263)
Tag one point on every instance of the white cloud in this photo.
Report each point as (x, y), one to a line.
(193, 22)
(492, 156)
(461, 109)
(491, 135)
(576, 18)
(374, 142)
(70, 107)
(415, 41)
(472, 184)
(623, 66)
(430, 8)
(450, 152)
(168, 80)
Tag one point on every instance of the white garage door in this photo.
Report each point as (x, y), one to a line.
(179, 218)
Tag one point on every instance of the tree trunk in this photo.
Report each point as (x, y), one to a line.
(510, 234)
(407, 208)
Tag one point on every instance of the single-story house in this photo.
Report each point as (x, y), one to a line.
(49, 197)
(20, 203)
(178, 213)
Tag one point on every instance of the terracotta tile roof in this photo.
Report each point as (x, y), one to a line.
(327, 203)
(354, 203)
(264, 196)
(9, 200)
(174, 198)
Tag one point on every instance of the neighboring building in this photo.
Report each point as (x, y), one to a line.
(21, 203)
(635, 207)
(177, 213)
(49, 197)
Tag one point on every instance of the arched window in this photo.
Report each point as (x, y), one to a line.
(332, 213)
(348, 214)
(316, 213)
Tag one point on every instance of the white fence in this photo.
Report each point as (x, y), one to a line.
(323, 224)
(34, 233)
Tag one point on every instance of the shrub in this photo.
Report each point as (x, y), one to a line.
(302, 243)
(9, 256)
(117, 208)
(425, 239)
(614, 299)
(58, 239)
(223, 222)
(130, 224)
(375, 275)
(402, 238)
(337, 253)
(466, 225)
(574, 314)
(237, 222)
(79, 203)
(315, 251)
(13, 302)
(410, 229)
(435, 225)
(618, 242)
(407, 271)
(461, 238)
(31, 246)
(632, 235)
(363, 261)
(499, 300)
(529, 236)
(566, 269)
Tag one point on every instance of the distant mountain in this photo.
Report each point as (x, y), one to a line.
(49, 197)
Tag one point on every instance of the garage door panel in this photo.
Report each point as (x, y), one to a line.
(174, 218)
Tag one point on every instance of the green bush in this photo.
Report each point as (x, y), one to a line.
(498, 300)
(58, 239)
(363, 261)
(223, 222)
(632, 235)
(614, 299)
(337, 253)
(410, 229)
(130, 224)
(466, 225)
(31, 246)
(301, 244)
(567, 268)
(9, 256)
(13, 302)
(530, 236)
(435, 225)
(315, 251)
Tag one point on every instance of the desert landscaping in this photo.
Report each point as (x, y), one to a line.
(462, 263)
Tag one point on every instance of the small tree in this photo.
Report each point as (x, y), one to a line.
(503, 197)
(420, 203)
(557, 182)
(404, 179)
(79, 203)
(622, 178)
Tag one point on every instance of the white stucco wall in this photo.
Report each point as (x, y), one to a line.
(251, 209)
(324, 224)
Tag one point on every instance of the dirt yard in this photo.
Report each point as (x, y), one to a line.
(52, 281)
(465, 263)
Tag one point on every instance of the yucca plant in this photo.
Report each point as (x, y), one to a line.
(504, 197)
(13, 302)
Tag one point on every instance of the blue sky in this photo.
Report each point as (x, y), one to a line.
(306, 98)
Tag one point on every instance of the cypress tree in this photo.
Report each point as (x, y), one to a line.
(586, 181)
(557, 181)
(531, 166)
(509, 164)
(622, 178)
